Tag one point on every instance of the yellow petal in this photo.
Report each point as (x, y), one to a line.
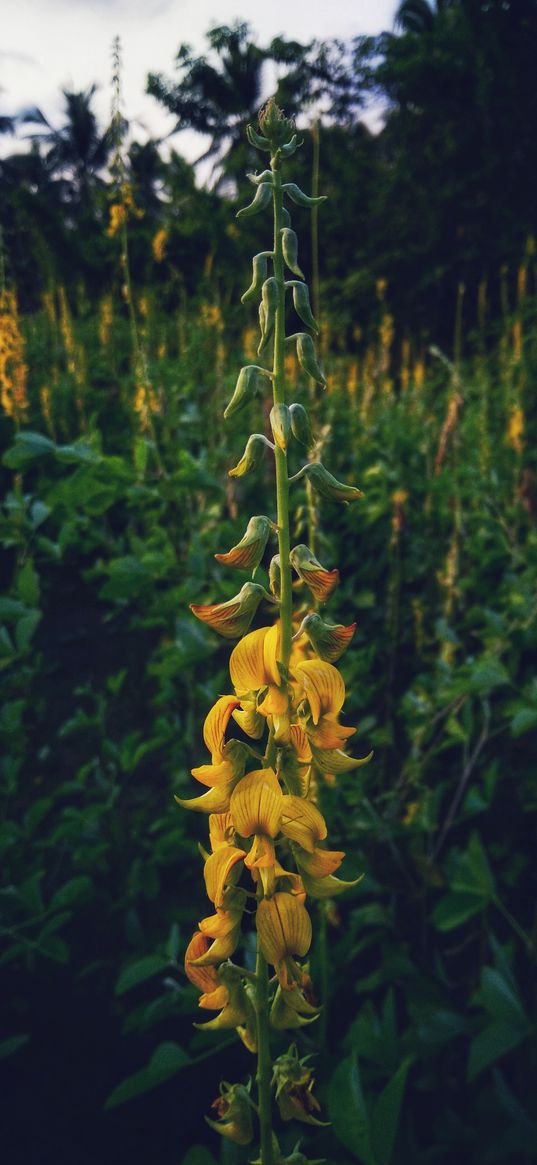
(246, 662)
(283, 926)
(212, 775)
(261, 855)
(214, 729)
(323, 687)
(275, 702)
(214, 1000)
(220, 869)
(318, 863)
(300, 743)
(256, 804)
(302, 822)
(250, 721)
(329, 734)
(204, 978)
(221, 831)
(215, 800)
(271, 651)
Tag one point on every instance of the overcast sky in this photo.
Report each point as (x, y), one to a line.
(48, 45)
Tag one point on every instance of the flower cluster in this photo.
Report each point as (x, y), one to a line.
(277, 734)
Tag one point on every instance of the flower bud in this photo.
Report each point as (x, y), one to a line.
(266, 176)
(297, 195)
(250, 378)
(247, 554)
(275, 575)
(234, 1114)
(301, 426)
(325, 484)
(232, 619)
(307, 359)
(255, 139)
(290, 250)
(291, 1009)
(251, 458)
(273, 124)
(329, 640)
(259, 274)
(261, 200)
(280, 420)
(321, 582)
(301, 303)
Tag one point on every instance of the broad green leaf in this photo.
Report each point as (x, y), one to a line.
(28, 447)
(139, 971)
(454, 909)
(498, 997)
(386, 1114)
(28, 584)
(524, 720)
(493, 1043)
(73, 893)
(348, 1111)
(488, 674)
(166, 1061)
(472, 873)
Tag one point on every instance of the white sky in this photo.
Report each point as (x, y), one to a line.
(48, 45)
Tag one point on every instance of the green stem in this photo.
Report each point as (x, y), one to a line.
(264, 1060)
(278, 387)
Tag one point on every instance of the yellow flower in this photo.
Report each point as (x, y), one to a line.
(215, 995)
(255, 675)
(284, 929)
(158, 245)
(324, 691)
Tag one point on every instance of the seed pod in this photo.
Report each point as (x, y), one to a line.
(249, 380)
(301, 426)
(301, 303)
(266, 176)
(297, 195)
(262, 198)
(247, 554)
(307, 359)
(259, 274)
(253, 453)
(275, 575)
(320, 581)
(327, 485)
(257, 140)
(290, 250)
(280, 420)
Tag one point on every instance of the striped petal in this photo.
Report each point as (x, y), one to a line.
(256, 804)
(215, 800)
(216, 722)
(321, 582)
(221, 830)
(302, 822)
(220, 869)
(329, 734)
(233, 618)
(319, 862)
(329, 640)
(246, 662)
(215, 995)
(283, 926)
(323, 687)
(247, 554)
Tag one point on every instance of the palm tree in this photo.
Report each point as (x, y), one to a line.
(78, 150)
(419, 15)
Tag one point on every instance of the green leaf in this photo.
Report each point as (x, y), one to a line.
(166, 1061)
(28, 584)
(498, 997)
(7, 1047)
(28, 447)
(487, 674)
(139, 971)
(524, 720)
(386, 1114)
(472, 873)
(454, 909)
(348, 1112)
(493, 1043)
(73, 893)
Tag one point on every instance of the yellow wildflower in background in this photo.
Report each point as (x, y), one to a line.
(515, 430)
(158, 246)
(13, 369)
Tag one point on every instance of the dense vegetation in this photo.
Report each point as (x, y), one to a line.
(120, 339)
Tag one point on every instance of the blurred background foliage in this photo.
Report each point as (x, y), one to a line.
(121, 334)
